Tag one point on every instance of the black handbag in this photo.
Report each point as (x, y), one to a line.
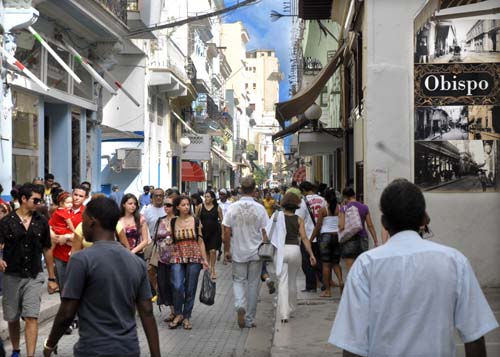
(207, 293)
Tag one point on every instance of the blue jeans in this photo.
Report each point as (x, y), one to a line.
(184, 283)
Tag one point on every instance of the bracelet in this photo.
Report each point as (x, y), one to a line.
(52, 279)
(45, 346)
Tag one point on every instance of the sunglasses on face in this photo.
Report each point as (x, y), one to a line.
(168, 205)
(37, 201)
(159, 196)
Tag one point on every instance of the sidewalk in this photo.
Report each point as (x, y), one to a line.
(307, 333)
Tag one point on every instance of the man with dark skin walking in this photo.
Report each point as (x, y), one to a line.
(105, 285)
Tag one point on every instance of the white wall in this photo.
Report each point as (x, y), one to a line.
(466, 221)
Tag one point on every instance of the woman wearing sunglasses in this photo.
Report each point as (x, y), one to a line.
(162, 238)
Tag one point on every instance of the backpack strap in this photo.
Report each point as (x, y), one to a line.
(309, 210)
(155, 230)
(197, 227)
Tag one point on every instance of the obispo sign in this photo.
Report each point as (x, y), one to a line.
(457, 84)
(452, 84)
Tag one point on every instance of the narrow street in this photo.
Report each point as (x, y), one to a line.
(215, 331)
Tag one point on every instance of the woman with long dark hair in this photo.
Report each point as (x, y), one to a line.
(210, 215)
(134, 224)
(327, 225)
(187, 260)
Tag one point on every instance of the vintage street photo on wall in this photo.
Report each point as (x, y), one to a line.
(457, 165)
(458, 41)
(441, 123)
(484, 122)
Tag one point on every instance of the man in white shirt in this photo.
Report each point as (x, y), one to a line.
(224, 206)
(407, 297)
(244, 230)
(151, 214)
(315, 203)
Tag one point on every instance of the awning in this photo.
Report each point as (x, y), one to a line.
(292, 128)
(186, 125)
(109, 133)
(306, 97)
(223, 158)
(192, 172)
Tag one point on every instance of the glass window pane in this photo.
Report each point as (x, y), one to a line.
(25, 121)
(28, 52)
(25, 168)
(83, 89)
(57, 77)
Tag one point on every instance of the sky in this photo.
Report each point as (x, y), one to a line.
(266, 34)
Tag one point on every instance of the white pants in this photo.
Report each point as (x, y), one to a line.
(287, 293)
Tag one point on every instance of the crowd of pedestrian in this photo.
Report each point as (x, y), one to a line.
(109, 258)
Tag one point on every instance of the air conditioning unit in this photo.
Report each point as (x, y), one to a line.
(130, 158)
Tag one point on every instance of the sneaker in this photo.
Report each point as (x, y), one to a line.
(241, 317)
(16, 354)
(270, 286)
(69, 330)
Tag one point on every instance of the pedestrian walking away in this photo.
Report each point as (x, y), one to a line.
(244, 231)
(284, 230)
(408, 296)
(25, 236)
(210, 215)
(105, 285)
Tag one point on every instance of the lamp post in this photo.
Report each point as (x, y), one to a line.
(313, 113)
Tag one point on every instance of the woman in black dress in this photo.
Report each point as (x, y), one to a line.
(210, 215)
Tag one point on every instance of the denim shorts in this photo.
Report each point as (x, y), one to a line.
(329, 248)
(354, 247)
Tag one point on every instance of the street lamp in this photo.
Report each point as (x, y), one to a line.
(313, 113)
(184, 143)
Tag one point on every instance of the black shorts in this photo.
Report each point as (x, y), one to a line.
(354, 247)
(329, 248)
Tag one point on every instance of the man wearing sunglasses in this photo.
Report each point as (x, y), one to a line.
(25, 236)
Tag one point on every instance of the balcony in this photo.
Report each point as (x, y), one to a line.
(117, 7)
(315, 10)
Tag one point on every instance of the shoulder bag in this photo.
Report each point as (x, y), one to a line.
(352, 225)
(266, 249)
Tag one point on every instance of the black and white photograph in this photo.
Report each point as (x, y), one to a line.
(441, 123)
(457, 165)
(459, 40)
(484, 122)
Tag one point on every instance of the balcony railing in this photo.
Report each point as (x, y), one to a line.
(117, 7)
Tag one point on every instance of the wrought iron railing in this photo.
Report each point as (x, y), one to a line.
(117, 7)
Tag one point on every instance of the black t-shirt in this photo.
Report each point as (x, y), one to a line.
(23, 248)
(108, 280)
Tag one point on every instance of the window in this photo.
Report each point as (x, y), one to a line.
(151, 106)
(25, 137)
(254, 86)
(159, 111)
(246, 85)
(159, 151)
(57, 77)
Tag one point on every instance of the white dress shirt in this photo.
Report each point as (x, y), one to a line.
(407, 297)
(247, 219)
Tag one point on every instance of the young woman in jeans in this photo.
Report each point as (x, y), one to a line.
(187, 260)
(329, 247)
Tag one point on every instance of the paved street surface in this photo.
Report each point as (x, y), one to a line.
(470, 57)
(307, 333)
(466, 183)
(215, 331)
(453, 134)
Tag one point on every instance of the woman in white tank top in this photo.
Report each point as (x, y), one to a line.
(327, 225)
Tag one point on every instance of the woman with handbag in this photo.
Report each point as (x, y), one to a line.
(134, 224)
(162, 239)
(285, 231)
(358, 244)
(187, 259)
(328, 226)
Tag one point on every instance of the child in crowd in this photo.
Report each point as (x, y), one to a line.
(60, 222)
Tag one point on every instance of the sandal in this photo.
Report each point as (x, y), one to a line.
(176, 322)
(187, 325)
(170, 317)
(326, 294)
